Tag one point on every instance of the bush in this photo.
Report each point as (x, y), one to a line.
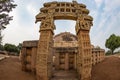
(109, 52)
(1, 47)
(11, 48)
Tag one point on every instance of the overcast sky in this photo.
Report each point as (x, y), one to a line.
(106, 14)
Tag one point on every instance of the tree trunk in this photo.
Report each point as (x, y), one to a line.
(112, 51)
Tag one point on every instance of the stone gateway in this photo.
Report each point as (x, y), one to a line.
(63, 10)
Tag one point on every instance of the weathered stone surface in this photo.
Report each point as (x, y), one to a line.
(28, 55)
(44, 56)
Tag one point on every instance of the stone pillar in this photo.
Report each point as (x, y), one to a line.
(44, 52)
(75, 61)
(23, 58)
(85, 55)
(33, 59)
(66, 61)
(84, 63)
(57, 61)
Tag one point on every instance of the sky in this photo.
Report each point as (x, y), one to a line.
(106, 15)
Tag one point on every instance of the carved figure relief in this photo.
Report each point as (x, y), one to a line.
(48, 22)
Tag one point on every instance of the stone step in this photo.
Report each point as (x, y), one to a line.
(64, 79)
(65, 75)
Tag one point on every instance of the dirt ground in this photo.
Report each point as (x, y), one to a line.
(109, 69)
(10, 69)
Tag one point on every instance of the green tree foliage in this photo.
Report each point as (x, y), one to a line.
(19, 47)
(1, 47)
(10, 48)
(6, 6)
(108, 53)
(113, 42)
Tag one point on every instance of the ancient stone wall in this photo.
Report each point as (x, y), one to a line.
(98, 55)
(28, 55)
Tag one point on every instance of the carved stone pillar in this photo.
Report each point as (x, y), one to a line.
(84, 48)
(44, 52)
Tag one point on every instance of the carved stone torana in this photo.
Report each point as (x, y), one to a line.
(63, 10)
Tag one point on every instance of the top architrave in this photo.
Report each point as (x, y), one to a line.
(64, 10)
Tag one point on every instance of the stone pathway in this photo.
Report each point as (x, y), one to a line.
(65, 75)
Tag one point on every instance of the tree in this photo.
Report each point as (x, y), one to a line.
(113, 42)
(19, 47)
(108, 53)
(10, 48)
(6, 6)
(1, 47)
